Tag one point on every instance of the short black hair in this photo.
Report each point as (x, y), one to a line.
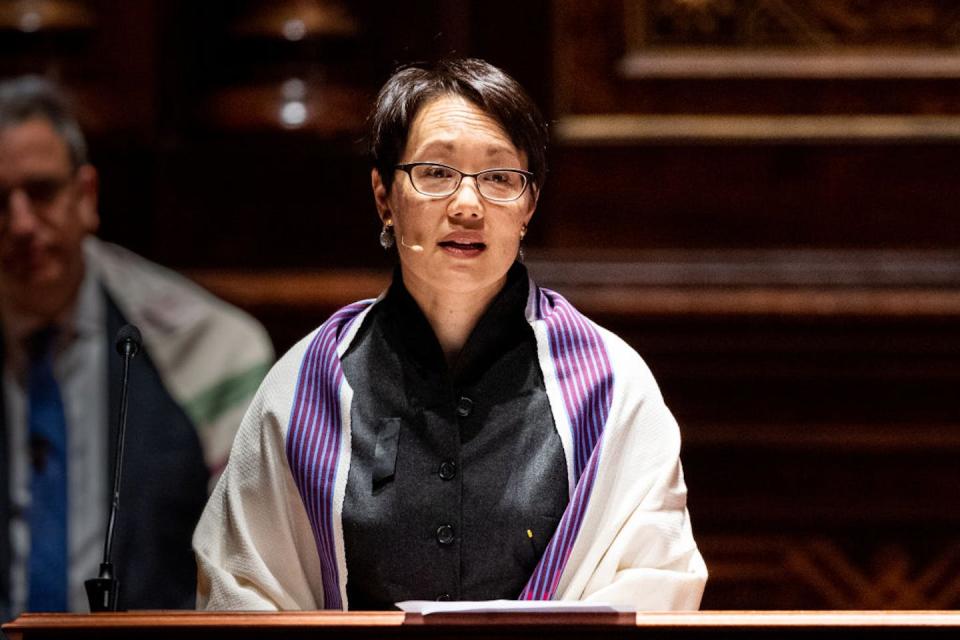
(32, 96)
(488, 87)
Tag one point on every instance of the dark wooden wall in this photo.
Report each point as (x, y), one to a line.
(781, 178)
(759, 196)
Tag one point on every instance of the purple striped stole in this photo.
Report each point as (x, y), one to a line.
(586, 383)
(313, 439)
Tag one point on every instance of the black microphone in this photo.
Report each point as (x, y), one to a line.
(129, 340)
(103, 590)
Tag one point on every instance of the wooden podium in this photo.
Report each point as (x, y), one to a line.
(191, 625)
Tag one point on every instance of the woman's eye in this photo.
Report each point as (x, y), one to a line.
(438, 172)
(498, 177)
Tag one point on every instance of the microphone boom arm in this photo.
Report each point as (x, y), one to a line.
(103, 591)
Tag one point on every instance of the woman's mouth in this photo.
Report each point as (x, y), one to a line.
(462, 249)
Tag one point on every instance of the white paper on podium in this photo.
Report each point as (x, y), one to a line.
(428, 607)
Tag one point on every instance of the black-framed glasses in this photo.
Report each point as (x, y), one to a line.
(439, 180)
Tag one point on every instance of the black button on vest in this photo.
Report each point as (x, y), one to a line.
(464, 407)
(445, 534)
(443, 597)
(448, 470)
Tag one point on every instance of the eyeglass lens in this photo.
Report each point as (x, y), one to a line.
(40, 192)
(495, 184)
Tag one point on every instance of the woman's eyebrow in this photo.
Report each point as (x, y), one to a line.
(438, 145)
(450, 145)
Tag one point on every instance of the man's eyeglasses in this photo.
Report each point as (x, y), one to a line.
(438, 180)
(41, 192)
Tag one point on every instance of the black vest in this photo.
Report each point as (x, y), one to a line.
(457, 477)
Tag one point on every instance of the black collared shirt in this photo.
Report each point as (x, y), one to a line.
(457, 476)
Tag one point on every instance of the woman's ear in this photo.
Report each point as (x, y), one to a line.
(380, 195)
(532, 205)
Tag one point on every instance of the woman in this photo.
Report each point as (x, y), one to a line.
(467, 435)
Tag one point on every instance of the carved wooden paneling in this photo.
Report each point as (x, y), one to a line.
(780, 124)
(791, 23)
(860, 571)
(639, 196)
(757, 56)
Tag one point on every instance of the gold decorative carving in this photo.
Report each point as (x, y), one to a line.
(800, 23)
(625, 129)
(841, 574)
(790, 39)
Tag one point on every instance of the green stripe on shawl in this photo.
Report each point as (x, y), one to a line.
(210, 404)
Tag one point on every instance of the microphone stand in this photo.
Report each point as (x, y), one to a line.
(103, 591)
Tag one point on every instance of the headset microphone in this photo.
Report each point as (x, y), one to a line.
(413, 247)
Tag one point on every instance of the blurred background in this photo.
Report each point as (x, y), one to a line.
(759, 195)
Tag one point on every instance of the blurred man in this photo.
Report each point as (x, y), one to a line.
(63, 296)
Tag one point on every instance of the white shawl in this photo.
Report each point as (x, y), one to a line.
(210, 355)
(271, 536)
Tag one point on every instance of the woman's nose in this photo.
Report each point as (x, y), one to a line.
(467, 199)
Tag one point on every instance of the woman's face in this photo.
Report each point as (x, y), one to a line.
(459, 243)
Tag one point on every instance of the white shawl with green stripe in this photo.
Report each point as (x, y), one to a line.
(210, 355)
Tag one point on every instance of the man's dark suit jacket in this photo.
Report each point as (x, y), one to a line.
(163, 491)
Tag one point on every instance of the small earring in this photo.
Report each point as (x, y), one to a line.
(523, 231)
(387, 237)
